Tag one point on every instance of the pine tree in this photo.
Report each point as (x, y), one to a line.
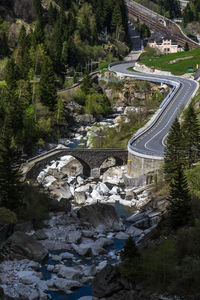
(11, 74)
(116, 17)
(38, 9)
(4, 49)
(191, 135)
(179, 210)
(186, 48)
(10, 184)
(47, 87)
(86, 84)
(130, 250)
(173, 153)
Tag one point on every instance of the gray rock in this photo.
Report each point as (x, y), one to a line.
(85, 119)
(64, 285)
(106, 282)
(50, 268)
(74, 236)
(65, 191)
(56, 258)
(101, 265)
(40, 235)
(79, 196)
(134, 231)
(104, 242)
(68, 272)
(19, 245)
(82, 249)
(88, 233)
(98, 214)
(121, 236)
(97, 250)
(89, 270)
(66, 255)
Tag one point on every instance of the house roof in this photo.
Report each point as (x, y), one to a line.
(159, 36)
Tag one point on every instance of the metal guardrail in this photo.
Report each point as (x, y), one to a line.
(176, 86)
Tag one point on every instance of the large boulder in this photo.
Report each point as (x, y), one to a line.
(100, 214)
(106, 282)
(20, 245)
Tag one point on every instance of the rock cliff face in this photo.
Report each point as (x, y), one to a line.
(20, 9)
(131, 92)
(24, 9)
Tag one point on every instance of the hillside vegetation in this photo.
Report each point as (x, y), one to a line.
(43, 43)
(176, 63)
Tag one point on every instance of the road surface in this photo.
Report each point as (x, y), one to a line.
(151, 142)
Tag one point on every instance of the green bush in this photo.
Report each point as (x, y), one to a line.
(7, 216)
(37, 204)
(97, 104)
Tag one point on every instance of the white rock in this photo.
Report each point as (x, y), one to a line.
(50, 268)
(74, 236)
(115, 190)
(56, 258)
(102, 187)
(122, 236)
(96, 196)
(91, 201)
(114, 198)
(64, 285)
(126, 203)
(80, 179)
(66, 255)
(48, 180)
(101, 265)
(41, 176)
(66, 158)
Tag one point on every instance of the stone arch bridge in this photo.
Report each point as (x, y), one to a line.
(91, 160)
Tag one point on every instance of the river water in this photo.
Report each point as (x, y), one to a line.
(122, 211)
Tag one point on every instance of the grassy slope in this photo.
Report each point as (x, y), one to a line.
(178, 68)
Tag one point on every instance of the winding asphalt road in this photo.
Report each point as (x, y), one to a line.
(149, 142)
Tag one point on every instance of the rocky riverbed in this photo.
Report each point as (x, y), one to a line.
(80, 240)
(91, 221)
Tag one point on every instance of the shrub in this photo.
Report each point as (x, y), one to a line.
(7, 216)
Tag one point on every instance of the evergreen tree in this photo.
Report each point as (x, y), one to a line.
(38, 9)
(11, 74)
(86, 84)
(116, 17)
(130, 251)
(47, 87)
(179, 211)
(191, 135)
(186, 48)
(4, 49)
(10, 184)
(174, 151)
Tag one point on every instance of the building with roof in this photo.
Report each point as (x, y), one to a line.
(164, 43)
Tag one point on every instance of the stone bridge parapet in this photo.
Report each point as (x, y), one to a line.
(91, 160)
